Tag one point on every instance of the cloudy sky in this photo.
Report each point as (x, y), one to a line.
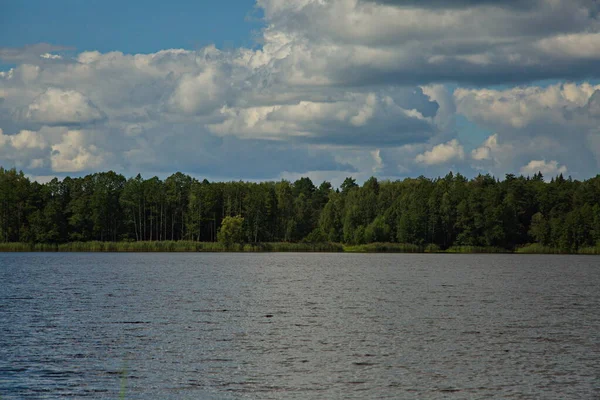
(287, 88)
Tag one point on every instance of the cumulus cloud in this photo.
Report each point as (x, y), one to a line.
(442, 153)
(521, 106)
(353, 119)
(491, 150)
(553, 122)
(550, 168)
(74, 154)
(336, 87)
(26, 150)
(434, 41)
(458, 3)
(61, 107)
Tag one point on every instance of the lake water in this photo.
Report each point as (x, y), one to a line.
(305, 326)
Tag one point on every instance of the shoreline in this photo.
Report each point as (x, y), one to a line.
(274, 247)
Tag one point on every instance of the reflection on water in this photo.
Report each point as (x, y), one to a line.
(219, 326)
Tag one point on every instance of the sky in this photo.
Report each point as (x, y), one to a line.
(279, 89)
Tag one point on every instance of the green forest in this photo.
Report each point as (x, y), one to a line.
(451, 212)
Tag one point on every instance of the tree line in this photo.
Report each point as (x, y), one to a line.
(442, 212)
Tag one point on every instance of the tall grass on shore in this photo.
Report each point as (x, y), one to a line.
(190, 246)
(476, 249)
(26, 247)
(536, 248)
(589, 250)
(384, 248)
(170, 246)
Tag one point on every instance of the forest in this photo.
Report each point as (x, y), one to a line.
(562, 215)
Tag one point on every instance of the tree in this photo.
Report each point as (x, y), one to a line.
(285, 211)
(540, 229)
(177, 189)
(231, 230)
(448, 211)
(348, 184)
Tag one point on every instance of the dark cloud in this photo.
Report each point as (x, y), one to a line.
(239, 158)
(379, 133)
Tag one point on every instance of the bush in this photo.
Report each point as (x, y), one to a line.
(231, 231)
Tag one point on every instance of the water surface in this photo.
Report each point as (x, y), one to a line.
(306, 326)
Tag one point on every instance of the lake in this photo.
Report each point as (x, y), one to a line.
(299, 326)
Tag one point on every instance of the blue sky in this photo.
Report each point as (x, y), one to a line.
(271, 89)
(130, 26)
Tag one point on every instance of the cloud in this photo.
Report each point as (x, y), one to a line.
(519, 4)
(335, 87)
(25, 150)
(61, 107)
(533, 123)
(491, 150)
(410, 42)
(378, 161)
(38, 53)
(521, 106)
(572, 46)
(50, 56)
(74, 154)
(369, 119)
(442, 153)
(550, 168)
(199, 93)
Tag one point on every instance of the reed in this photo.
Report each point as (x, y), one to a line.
(476, 250)
(27, 247)
(537, 248)
(190, 246)
(590, 250)
(171, 246)
(384, 248)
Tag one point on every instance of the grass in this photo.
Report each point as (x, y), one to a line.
(190, 246)
(383, 248)
(476, 249)
(589, 250)
(536, 248)
(170, 246)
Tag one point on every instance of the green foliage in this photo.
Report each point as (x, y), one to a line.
(432, 248)
(316, 236)
(231, 231)
(106, 212)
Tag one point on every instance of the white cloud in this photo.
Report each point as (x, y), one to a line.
(445, 117)
(520, 106)
(442, 153)
(74, 154)
(491, 150)
(61, 107)
(418, 42)
(554, 122)
(50, 56)
(550, 168)
(25, 150)
(378, 167)
(199, 93)
(351, 118)
(351, 86)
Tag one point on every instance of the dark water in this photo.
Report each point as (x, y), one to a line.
(306, 326)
